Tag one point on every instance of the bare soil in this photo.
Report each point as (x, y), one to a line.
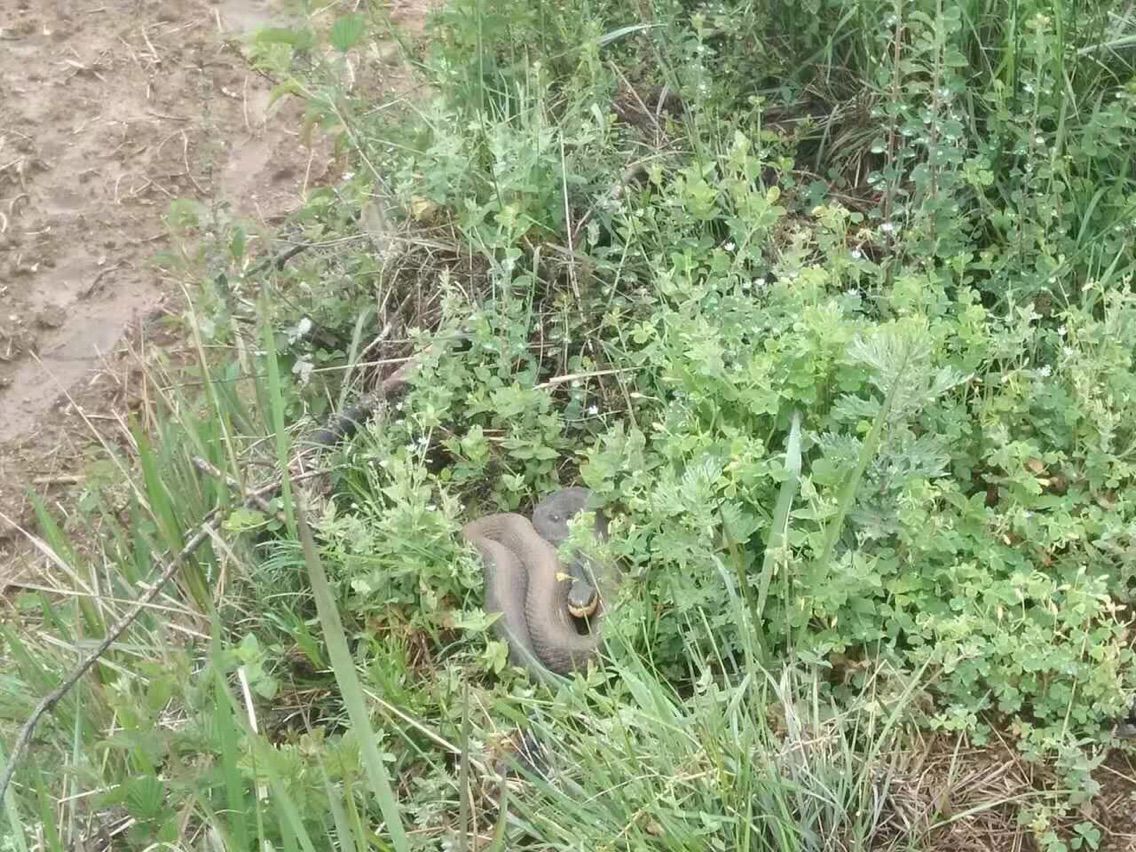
(109, 110)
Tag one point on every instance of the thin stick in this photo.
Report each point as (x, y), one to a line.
(48, 702)
(572, 377)
(392, 385)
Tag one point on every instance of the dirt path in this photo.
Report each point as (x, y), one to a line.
(109, 110)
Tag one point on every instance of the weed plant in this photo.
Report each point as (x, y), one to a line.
(829, 301)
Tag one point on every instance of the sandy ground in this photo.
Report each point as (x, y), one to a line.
(110, 109)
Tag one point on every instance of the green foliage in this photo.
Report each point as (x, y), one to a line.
(844, 340)
(961, 500)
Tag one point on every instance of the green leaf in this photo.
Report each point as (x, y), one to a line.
(301, 39)
(243, 519)
(143, 796)
(496, 656)
(238, 244)
(347, 32)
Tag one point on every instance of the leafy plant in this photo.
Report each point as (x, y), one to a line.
(829, 302)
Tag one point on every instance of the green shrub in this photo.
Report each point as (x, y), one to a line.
(961, 367)
(874, 257)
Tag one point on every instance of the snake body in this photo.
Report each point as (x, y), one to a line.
(535, 596)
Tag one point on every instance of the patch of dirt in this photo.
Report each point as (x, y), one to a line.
(1115, 806)
(109, 110)
(951, 797)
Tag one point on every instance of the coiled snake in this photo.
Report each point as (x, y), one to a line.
(541, 614)
(542, 607)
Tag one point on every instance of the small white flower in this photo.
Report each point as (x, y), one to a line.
(300, 330)
(1046, 371)
(303, 369)
(593, 410)
(857, 254)
(887, 227)
(729, 246)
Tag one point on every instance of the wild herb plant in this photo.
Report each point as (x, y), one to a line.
(828, 301)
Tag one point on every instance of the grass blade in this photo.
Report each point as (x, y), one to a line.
(498, 842)
(276, 410)
(348, 680)
(11, 812)
(780, 527)
(227, 745)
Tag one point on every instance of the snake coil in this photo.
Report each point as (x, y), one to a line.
(536, 598)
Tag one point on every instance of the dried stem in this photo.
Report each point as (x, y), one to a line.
(393, 385)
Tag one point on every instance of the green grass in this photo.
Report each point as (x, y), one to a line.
(842, 334)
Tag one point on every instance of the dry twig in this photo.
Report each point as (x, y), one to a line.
(48, 702)
(343, 426)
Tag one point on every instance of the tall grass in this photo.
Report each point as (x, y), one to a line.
(781, 352)
(171, 740)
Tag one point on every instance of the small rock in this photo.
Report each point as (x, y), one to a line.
(52, 316)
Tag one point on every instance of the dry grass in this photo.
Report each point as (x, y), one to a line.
(953, 797)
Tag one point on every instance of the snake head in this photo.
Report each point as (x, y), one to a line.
(552, 517)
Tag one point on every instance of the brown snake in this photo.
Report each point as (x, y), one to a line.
(535, 596)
